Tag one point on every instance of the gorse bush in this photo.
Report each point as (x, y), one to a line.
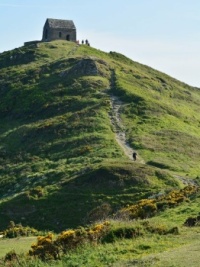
(146, 208)
(16, 230)
(45, 248)
(48, 248)
(71, 243)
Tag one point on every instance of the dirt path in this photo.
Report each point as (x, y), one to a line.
(115, 118)
(119, 129)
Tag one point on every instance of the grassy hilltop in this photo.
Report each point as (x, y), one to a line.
(70, 117)
(59, 158)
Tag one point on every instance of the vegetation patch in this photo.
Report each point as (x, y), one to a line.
(17, 230)
(58, 148)
(146, 208)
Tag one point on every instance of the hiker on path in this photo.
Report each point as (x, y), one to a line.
(134, 156)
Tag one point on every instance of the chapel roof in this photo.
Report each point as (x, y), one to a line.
(60, 23)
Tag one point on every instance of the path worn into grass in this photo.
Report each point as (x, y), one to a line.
(184, 256)
(119, 129)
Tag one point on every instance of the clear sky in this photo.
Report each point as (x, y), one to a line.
(163, 34)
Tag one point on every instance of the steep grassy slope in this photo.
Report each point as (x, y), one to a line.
(161, 117)
(58, 155)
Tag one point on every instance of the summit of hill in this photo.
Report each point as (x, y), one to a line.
(71, 116)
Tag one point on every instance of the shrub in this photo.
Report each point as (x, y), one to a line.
(11, 256)
(67, 240)
(36, 192)
(144, 209)
(45, 248)
(122, 232)
(173, 230)
(16, 230)
(192, 221)
(99, 213)
(159, 228)
(148, 207)
(98, 231)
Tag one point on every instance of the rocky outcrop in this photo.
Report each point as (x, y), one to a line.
(87, 67)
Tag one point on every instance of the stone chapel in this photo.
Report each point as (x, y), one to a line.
(58, 29)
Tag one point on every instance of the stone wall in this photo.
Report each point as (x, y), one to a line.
(58, 34)
(32, 42)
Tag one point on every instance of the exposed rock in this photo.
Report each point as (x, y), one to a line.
(86, 67)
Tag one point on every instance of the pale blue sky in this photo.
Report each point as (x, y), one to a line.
(163, 34)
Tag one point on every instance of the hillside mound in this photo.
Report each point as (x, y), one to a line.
(58, 138)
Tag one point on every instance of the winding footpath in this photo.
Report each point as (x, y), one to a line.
(119, 129)
(120, 136)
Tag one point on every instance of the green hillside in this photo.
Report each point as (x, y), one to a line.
(163, 240)
(59, 158)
